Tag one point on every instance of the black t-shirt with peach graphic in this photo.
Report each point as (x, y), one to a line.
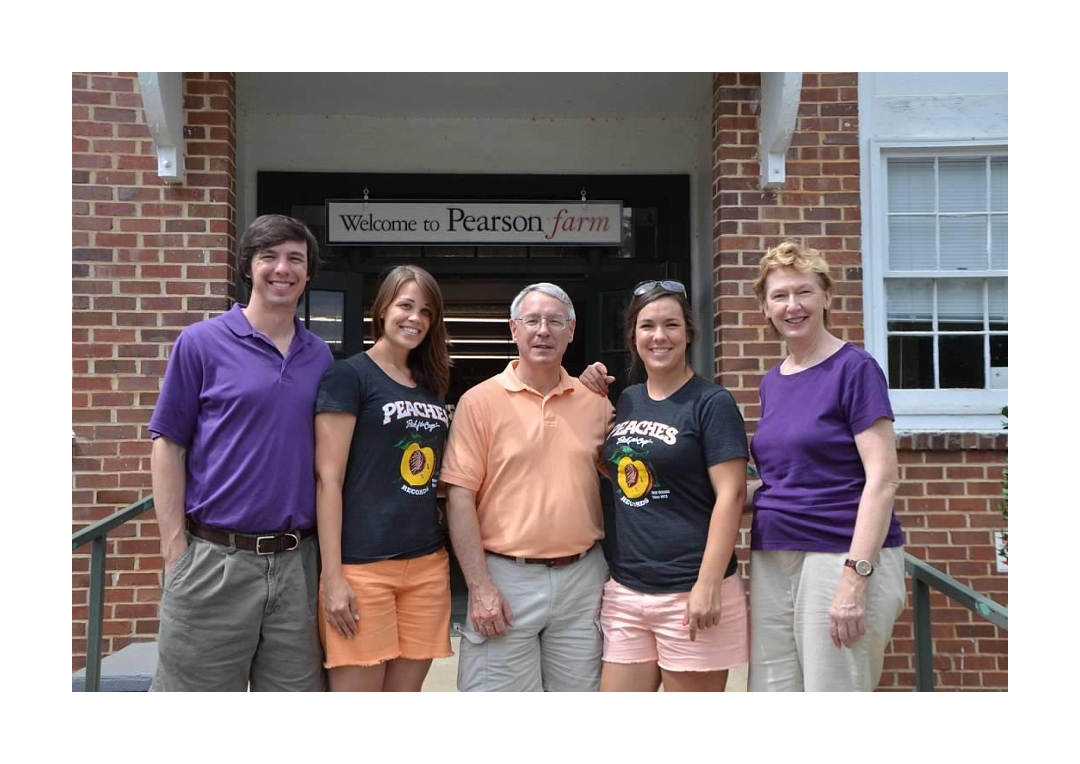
(389, 507)
(659, 454)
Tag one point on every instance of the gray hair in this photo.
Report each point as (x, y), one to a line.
(549, 289)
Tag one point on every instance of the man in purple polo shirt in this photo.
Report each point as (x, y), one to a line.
(234, 486)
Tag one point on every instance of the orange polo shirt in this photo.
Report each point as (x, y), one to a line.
(532, 461)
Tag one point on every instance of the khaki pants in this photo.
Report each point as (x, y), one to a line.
(230, 617)
(790, 647)
(555, 642)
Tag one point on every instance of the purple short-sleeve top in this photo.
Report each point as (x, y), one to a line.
(804, 448)
(245, 414)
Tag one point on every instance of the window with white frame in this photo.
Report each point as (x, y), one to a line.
(946, 274)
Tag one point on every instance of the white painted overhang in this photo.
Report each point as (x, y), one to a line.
(780, 93)
(163, 100)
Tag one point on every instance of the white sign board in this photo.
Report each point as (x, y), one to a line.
(553, 223)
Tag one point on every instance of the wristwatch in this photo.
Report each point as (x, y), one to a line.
(863, 567)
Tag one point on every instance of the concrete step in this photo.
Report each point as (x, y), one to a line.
(130, 669)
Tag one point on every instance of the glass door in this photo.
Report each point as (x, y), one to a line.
(333, 309)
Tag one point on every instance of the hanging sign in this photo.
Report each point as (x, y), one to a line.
(553, 223)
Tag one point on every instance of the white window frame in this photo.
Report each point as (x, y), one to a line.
(917, 410)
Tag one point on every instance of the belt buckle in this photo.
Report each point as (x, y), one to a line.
(259, 540)
(551, 563)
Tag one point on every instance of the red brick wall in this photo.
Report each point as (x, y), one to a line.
(951, 482)
(147, 259)
(949, 504)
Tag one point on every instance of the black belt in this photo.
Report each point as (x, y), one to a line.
(551, 562)
(260, 543)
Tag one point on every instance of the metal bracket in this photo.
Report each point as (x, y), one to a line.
(780, 93)
(163, 99)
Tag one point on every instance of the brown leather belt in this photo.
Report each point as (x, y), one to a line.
(260, 543)
(551, 562)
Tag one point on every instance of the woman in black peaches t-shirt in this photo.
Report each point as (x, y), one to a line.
(674, 610)
(380, 430)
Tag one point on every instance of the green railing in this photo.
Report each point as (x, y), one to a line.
(923, 578)
(95, 534)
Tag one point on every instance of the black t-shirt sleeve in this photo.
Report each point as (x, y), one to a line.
(723, 431)
(339, 390)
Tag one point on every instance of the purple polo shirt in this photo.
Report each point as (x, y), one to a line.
(246, 417)
(804, 448)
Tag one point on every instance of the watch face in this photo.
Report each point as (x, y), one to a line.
(863, 567)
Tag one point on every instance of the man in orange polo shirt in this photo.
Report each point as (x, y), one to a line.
(524, 511)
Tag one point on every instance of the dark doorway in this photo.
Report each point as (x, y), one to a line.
(478, 283)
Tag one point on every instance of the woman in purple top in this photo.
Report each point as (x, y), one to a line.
(826, 563)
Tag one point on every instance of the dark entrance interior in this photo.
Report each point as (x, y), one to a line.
(478, 283)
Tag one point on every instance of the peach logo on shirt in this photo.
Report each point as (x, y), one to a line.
(632, 473)
(418, 461)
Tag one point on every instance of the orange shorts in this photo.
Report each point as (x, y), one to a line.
(404, 610)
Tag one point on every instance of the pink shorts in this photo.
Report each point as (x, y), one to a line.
(641, 628)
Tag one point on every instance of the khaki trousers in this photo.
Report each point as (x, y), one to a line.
(555, 642)
(230, 618)
(790, 646)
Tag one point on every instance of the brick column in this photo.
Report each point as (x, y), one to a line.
(818, 204)
(148, 259)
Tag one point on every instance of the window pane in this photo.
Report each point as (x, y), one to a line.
(999, 242)
(999, 301)
(639, 234)
(909, 305)
(999, 362)
(960, 304)
(911, 244)
(911, 185)
(961, 360)
(328, 318)
(963, 243)
(962, 185)
(911, 363)
(999, 184)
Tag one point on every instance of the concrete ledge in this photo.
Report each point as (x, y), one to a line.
(128, 670)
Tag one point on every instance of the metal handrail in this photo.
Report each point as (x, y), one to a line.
(95, 534)
(923, 577)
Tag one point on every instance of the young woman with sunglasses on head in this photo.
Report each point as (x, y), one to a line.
(674, 610)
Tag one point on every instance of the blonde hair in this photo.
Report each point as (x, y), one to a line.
(791, 254)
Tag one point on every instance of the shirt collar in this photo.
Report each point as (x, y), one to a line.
(237, 322)
(510, 380)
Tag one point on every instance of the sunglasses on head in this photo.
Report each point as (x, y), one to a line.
(647, 286)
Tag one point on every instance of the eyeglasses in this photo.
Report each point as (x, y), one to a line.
(554, 323)
(647, 286)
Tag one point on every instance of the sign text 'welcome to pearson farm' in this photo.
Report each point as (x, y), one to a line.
(560, 223)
